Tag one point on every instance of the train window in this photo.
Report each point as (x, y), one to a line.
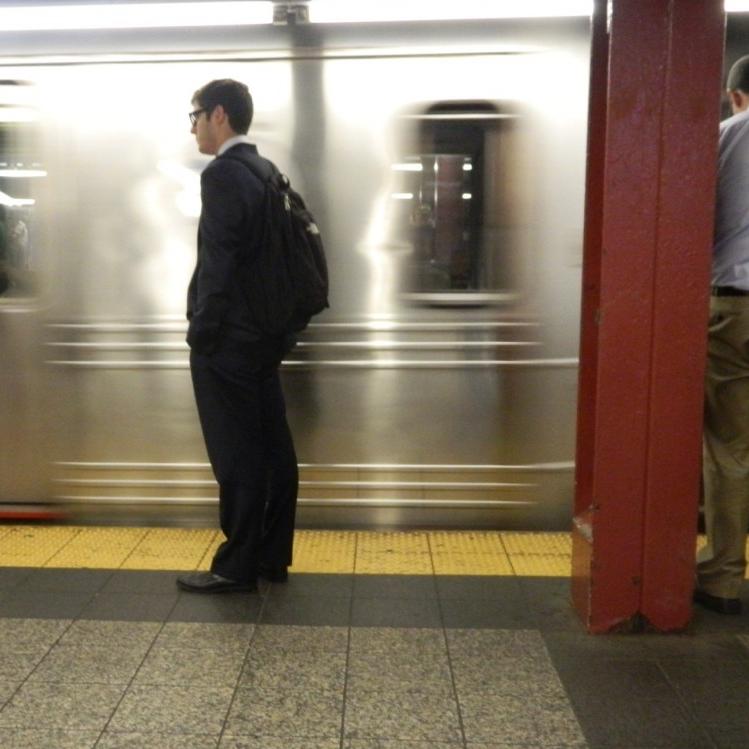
(450, 190)
(18, 169)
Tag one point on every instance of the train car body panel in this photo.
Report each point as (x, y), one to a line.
(445, 167)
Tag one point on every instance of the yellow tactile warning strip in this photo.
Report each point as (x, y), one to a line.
(32, 546)
(544, 555)
(97, 547)
(392, 554)
(332, 552)
(170, 549)
(469, 553)
(216, 541)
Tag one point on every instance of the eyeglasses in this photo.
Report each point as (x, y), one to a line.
(194, 116)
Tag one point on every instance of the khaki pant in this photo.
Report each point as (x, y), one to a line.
(722, 563)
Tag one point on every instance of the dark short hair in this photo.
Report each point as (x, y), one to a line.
(738, 75)
(233, 96)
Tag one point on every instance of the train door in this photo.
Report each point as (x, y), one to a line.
(463, 212)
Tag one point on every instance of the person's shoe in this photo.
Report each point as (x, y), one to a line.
(274, 574)
(210, 582)
(730, 606)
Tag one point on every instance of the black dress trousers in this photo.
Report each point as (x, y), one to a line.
(243, 417)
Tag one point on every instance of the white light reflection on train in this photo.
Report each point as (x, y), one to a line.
(188, 199)
(344, 11)
(21, 173)
(18, 114)
(134, 15)
(11, 202)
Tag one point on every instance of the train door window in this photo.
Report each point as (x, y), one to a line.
(450, 185)
(18, 170)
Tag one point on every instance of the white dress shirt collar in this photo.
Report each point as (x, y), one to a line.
(227, 144)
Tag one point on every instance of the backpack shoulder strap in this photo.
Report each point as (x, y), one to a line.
(263, 175)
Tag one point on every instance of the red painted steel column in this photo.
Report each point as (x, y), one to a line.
(649, 214)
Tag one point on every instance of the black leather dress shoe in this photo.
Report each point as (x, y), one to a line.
(274, 574)
(210, 582)
(730, 606)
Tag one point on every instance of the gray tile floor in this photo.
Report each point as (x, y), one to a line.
(329, 662)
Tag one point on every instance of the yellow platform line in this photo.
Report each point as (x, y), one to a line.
(329, 552)
(97, 548)
(170, 549)
(469, 553)
(392, 553)
(33, 545)
(324, 551)
(215, 542)
(541, 555)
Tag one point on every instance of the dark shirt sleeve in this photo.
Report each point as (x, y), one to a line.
(229, 198)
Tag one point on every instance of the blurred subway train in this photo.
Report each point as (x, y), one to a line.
(445, 164)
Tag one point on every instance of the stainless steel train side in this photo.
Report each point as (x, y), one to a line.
(445, 163)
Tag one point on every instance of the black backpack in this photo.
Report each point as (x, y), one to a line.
(287, 282)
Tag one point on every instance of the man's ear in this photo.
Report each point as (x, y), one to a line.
(220, 114)
(739, 101)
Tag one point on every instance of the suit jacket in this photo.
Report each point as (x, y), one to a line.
(229, 232)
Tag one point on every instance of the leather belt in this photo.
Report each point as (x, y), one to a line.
(727, 291)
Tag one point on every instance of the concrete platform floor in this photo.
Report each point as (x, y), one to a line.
(118, 657)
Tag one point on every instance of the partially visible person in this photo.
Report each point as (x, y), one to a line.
(721, 564)
(18, 245)
(235, 369)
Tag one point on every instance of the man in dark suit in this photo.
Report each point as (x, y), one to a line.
(234, 367)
